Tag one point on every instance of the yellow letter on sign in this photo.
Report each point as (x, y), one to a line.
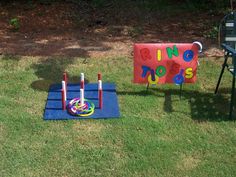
(189, 73)
(158, 55)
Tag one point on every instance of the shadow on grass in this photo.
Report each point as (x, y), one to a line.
(222, 90)
(204, 106)
(50, 71)
(9, 57)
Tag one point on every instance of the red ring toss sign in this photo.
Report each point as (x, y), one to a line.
(165, 63)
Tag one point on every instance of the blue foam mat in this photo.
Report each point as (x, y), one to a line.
(110, 109)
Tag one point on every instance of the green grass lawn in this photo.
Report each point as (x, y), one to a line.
(157, 135)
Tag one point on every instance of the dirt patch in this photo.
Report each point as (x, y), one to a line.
(89, 127)
(188, 163)
(80, 30)
(89, 134)
(2, 132)
(206, 126)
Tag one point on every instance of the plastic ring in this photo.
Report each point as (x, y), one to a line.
(150, 81)
(199, 46)
(74, 107)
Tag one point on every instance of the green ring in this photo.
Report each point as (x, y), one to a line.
(163, 69)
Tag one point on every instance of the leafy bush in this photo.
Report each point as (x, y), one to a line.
(15, 23)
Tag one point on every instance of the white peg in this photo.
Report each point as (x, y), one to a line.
(82, 76)
(99, 85)
(64, 88)
(82, 97)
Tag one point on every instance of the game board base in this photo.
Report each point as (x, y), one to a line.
(110, 109)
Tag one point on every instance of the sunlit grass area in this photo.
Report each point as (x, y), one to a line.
(158, 134)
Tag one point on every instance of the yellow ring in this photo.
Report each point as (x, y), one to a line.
(150, 81)
(84, 115)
